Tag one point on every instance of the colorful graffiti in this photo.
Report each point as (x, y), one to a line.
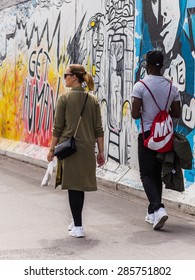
(110, 60)
(169, 27)
(40, 37)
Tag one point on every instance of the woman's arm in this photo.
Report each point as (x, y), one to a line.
(58, 126)
(54, 141)
(100, 156)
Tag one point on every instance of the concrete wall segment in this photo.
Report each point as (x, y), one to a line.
(9, 3)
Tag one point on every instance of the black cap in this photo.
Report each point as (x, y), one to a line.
(155, 58)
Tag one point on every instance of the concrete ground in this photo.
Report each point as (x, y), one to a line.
(34, 219)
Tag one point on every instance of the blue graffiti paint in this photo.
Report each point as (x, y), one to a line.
(148, 30)
(189, 175)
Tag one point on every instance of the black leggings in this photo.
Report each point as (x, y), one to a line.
(76, 200)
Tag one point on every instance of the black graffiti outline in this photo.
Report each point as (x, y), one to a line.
(35, 30)
(44, 97)
(190, 12)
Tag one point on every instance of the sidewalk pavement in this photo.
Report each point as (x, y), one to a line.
(34, 220)
(121, 180)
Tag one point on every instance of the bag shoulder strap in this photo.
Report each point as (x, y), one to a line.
(81, 115)
(84, 104)
(155, 102)
(154, 97)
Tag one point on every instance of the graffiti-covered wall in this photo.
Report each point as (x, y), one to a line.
(39, 38)
(170, 26)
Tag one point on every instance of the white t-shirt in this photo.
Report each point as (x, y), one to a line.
(159, 87)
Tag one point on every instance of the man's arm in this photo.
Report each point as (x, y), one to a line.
(136, 104)
(175, 109)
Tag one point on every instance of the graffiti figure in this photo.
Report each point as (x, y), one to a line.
(119, 51)
(168, 26)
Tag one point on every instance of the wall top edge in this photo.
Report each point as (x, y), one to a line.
(8, 3)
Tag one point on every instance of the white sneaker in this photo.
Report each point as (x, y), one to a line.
(149, 218)
(160, 217)
(70, 227)
(77, 232)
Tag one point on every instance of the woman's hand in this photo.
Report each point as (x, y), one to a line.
(100, 155)
(50, 156)
(100, 159)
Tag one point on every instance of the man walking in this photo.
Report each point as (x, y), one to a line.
(144, 106)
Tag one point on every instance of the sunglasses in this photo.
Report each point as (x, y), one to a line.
(65, 75)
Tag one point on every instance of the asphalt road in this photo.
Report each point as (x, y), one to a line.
(34, 219)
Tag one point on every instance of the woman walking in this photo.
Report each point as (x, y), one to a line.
(77, 173)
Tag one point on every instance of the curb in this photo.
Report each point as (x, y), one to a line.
(117, 180)
(131, 193)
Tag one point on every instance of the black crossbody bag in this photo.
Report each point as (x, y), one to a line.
(68, 147)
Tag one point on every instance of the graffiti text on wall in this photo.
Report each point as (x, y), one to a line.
(39, 103)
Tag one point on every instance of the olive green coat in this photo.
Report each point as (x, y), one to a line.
(78, 171)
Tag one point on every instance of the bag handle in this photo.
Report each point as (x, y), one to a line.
(81, 115)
